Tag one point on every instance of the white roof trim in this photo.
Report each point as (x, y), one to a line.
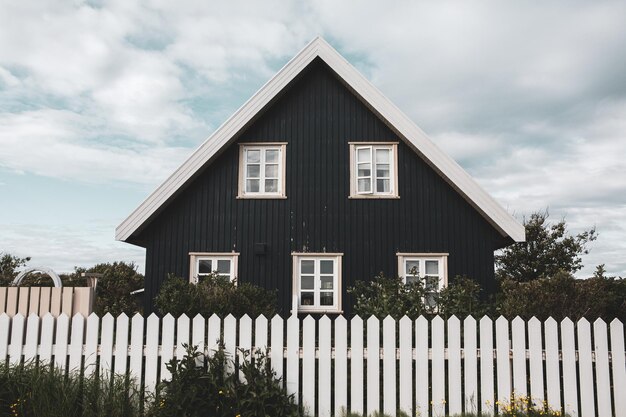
(398, 121)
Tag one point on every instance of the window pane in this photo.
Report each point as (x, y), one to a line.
(306, 298)
(383, 186)
(307, 282)
(412, 279)
(271, 186)
(271, 155)
(326, 267)
(365, 170)
(365, 185)
(432, 283)
(382, 155)
(432, 267)
(223, 266)
(253, 171)
(326, 299)
(363, 155)
(252, 186)
(204, 266)
(271, 171)
(412, 267)
(253, 156)
(307, 266)
(326, 283)
(382, 170)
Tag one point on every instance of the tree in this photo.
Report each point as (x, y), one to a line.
(548, 250)
(9, 265)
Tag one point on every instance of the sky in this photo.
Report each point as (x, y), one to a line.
(100, 101)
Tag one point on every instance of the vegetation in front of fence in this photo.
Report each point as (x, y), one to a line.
(29, 390)
(210, 386)
(214, 294)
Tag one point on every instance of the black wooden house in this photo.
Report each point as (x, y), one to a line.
(317, 181)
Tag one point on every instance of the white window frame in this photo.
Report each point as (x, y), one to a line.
(282, 166)
(296, 281)
(196, 257)
(393, 170)
(441, 258)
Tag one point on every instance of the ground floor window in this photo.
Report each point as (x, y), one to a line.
(430, 268)
(203, 264)
(317, 282)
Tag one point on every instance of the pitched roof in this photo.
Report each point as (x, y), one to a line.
(452, 172)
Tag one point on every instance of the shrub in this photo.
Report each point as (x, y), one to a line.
(564, 296)
(30, 390)
(216, 389)
(214, 294)
(463, 297)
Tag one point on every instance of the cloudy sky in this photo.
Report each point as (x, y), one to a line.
(101, 100)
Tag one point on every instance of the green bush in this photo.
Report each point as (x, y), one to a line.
(563, 296)
(390, 296)
(30, 390)
(196, 390)
(214, 294)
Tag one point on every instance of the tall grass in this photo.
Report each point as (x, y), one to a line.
(31, 390)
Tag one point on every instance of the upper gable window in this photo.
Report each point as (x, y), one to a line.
(262, 170)
(373, 170)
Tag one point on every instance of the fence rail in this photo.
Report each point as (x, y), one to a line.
(423, 367)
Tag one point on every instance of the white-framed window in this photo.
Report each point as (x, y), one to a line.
(373, 170)
(317, 282)
(262, 170)
(430, 268)
(203, 264)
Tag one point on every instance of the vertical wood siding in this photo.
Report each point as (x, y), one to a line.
(317, 116)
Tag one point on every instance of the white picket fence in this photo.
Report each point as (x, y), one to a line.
(423, 367)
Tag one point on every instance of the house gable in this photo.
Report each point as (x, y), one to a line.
(393, 118)
(318, 116)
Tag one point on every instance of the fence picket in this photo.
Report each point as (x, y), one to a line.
(486, 366)
(585, 369)
(389, 365)
(121, 344)
(438, 367)
(568, 349)
(47, 332)
(167, 344)
(260, 334)
(341, 364)
(356, 365)
(76, 343)
(603, 384)
(454, 366)
(277, 343)
(406, 366)
(198, 326)
(182, 335)
(618, 367)
(230, 339)
(373, 365)
(245, 339)
(17, 337)
(518, 335)
(553, 377)
(60, 345)
(293, 355)
(324, 378)
(106, 347)
(91, 343)
(136, 347)
(503, 362)
(421, 366)
(536, 360)
(308, 366)
(470, 377)
(214, 333)
(152, 352)
(32, 337)
(5, 325)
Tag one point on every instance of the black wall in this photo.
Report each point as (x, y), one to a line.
(317, 115)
